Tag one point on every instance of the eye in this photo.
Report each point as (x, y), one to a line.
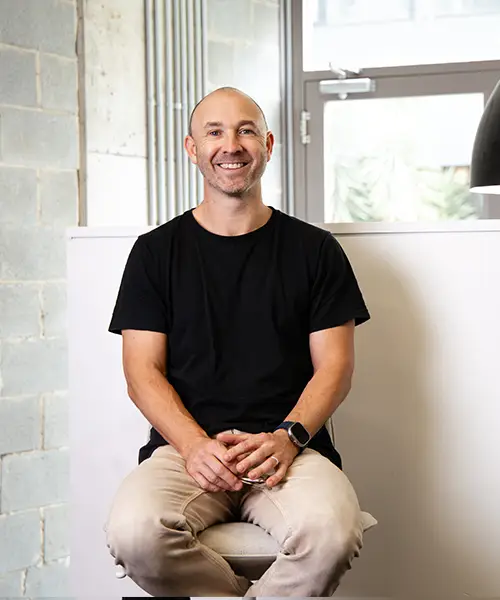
(246, 131)
(214, 132)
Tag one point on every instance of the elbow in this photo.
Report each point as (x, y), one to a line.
(132, 389)
(141, 381)
(346, 383)
(131, 392)
(348, 373)
(135, 383)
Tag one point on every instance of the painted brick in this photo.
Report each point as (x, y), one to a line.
(19, 424)
(35, 479)
(34, 366)
(11, 584)
(18, 77)
(59, 198)
(47, 25)
(115, 56)
(20, 540)
(56, 422)
(56, 521)
(48, 581)
(59, 83)
(54, 309)
(38, 139)
(18, 195)
(19, 310)
(31, 253)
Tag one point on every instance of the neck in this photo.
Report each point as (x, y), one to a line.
(232, 216)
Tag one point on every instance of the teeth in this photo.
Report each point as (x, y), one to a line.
(232, 165)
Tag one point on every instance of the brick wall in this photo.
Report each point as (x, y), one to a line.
(38, 200)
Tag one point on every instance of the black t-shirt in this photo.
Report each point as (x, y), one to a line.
(237, 312)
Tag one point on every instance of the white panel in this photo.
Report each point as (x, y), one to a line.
(106, 430)
(117, 190)
(418, 433)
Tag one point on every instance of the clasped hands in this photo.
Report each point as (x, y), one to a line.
(217, 464)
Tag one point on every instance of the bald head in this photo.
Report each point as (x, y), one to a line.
(226, 93)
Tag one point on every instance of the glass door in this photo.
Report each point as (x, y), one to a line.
(396, 148)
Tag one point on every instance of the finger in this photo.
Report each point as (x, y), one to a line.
(268, 466)
(219, 453)
(255, 459)
(224, 477)
(277, 477)
(203, 482)
(232, 465)
(214, 479)
(231, 438)
(245, 447)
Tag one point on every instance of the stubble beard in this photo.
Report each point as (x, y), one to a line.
(208, 170)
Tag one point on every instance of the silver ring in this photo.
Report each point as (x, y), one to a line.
(274, 458)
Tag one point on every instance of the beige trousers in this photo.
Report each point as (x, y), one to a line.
(159, 510)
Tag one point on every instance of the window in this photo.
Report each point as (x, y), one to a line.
(375, 34)
(388, 121)
(400, 159)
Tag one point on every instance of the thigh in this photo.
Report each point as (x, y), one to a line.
(161, 487)
(315, 495)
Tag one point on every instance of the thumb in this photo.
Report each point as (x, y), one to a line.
(230, 438)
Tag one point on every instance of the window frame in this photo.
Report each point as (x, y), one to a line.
(295, 81)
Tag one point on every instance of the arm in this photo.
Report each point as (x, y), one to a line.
(332, 354)
(144, 364)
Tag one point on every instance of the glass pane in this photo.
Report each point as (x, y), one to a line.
(466, 7)
(400, 159)
(366, 33)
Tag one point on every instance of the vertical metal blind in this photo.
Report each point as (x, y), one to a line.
(176, 75)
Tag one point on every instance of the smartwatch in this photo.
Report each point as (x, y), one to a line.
(297, 433)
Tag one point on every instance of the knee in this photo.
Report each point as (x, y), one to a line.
(136, 536)
(328, 537)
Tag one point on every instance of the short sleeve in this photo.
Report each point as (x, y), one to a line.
(336, 296)
(141, 301)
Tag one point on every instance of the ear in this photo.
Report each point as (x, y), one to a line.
(269, 144)
(190, 147)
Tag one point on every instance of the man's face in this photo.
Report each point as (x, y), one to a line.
(229, 143)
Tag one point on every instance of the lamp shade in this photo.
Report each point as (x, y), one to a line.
(485, 163)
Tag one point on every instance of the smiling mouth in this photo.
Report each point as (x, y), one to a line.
(234, 166)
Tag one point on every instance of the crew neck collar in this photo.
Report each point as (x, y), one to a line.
(242, 236)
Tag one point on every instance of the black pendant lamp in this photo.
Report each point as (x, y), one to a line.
(485, 163)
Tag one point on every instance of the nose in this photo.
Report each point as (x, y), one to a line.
(231, 143)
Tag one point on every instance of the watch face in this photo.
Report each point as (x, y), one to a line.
(300, 433)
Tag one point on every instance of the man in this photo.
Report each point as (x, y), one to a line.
(238, 325)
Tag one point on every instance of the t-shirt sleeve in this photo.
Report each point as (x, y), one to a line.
(141, 301)
(336, 296)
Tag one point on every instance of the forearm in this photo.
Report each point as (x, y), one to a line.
(324, 393)
(158, 401)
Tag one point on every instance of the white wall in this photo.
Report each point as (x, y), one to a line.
(115, 96)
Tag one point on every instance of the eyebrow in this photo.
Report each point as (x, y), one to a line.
(211, 124)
